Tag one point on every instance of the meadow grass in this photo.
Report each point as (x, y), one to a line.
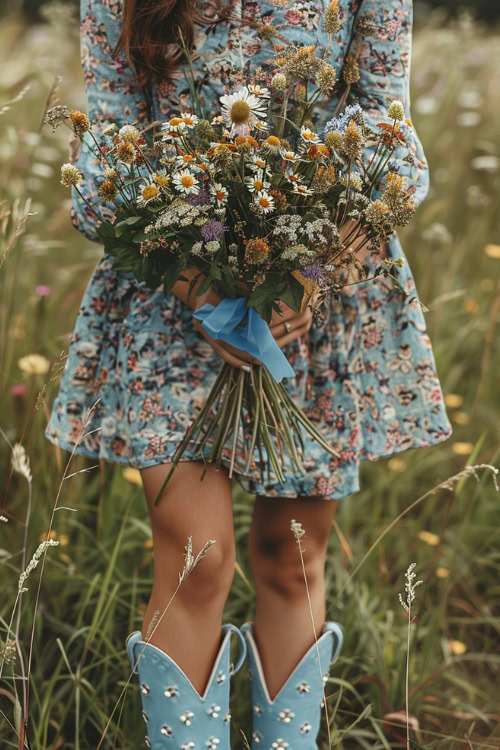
(97, 580)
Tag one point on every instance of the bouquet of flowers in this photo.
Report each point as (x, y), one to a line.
(267, 210)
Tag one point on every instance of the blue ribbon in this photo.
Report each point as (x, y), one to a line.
(242, 327)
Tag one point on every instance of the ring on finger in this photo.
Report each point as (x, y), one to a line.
(287, 325)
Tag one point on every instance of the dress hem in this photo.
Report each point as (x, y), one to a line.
(82, 451)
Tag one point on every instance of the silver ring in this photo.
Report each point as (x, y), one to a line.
(287, 326)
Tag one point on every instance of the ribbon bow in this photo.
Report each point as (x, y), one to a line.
(242, 327)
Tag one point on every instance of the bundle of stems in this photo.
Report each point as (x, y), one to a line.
(259, 415)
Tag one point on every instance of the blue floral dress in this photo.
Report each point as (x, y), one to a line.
(367, 376)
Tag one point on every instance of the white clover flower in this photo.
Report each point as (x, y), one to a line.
(130, 134)
(110, 173)
(70, 175)
(212, 247)
(396, 110)
(197, 248)
(278, 82)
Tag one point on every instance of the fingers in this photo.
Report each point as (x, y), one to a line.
(295, 334)
(296, 321)
(227, 356)
(298, 327)
(239, 353)
(231, 355)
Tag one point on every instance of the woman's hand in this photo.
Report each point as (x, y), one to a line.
(285, 328)
(290, 325)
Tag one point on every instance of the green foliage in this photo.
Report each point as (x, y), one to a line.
(97, 581)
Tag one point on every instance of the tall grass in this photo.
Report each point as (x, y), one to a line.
(97, 580)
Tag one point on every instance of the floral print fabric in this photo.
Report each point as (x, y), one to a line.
(367, 376)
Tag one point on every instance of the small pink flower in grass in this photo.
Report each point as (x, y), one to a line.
(18, 390)
(42, 290)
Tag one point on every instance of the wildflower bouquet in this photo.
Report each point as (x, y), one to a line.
(267, 210)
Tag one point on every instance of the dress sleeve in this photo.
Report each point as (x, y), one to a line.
(382, 44)
(113, 97)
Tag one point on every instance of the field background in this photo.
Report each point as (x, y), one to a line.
(96, 581)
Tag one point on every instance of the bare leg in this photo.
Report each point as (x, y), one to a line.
(282, 625)
(190, 632)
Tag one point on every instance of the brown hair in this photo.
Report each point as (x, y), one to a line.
(148, 26)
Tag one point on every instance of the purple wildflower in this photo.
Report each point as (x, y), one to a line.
(212, 230)
(351, 112)
(314, 272)
(201, 199)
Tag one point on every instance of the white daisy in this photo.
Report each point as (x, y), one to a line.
(185, 160)
(219, 192)
(175, 124)
(242, 110)
(259, 91)
(289, 155)
(308, 135)
(258, 163)
(292, 177)
(147, 193)
(189, 120)
(260, 125)
(161, 178)
(257, 183)
(218, 120)
(302, 189)
(185, 182)
(264, 202)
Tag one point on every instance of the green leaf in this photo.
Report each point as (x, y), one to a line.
(126, 259)
(204, 286)
(139, 237)
(171, 275)
(294, 294)
(265, 309)
(105, 230)
(416, 746)
(215, 272)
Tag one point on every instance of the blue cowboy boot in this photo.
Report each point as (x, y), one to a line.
(176, 715)
(292, 720)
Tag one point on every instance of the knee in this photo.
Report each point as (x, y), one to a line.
(207, 584)
(277, 566)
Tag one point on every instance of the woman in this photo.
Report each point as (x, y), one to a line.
(367, 376)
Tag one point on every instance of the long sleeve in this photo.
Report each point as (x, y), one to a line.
(382, 44)
(113, 96)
